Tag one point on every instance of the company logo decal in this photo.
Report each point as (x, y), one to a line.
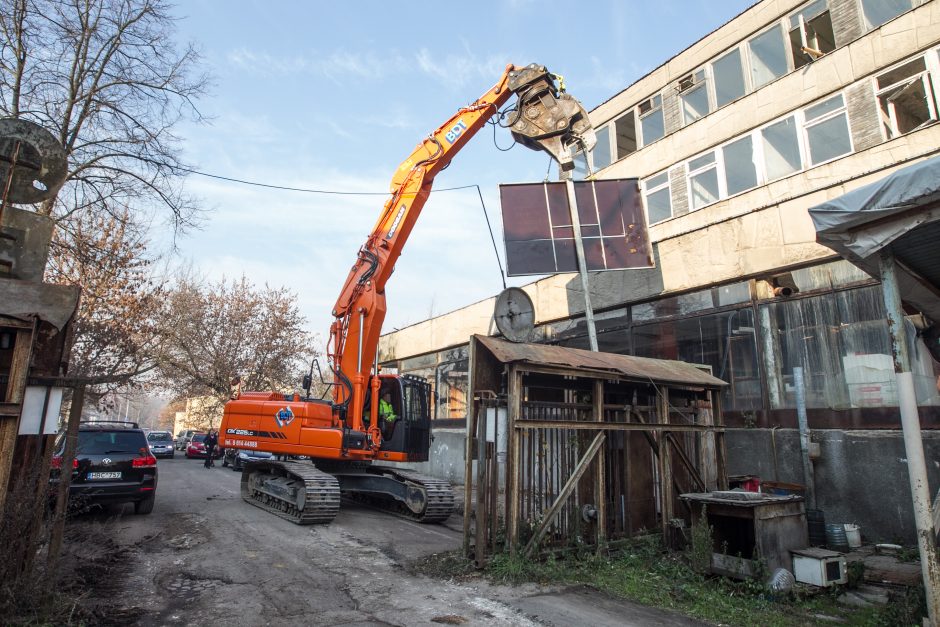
(455, 131)
(284, 417)
(396, 222)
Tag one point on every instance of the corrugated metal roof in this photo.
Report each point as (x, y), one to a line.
(658, 370)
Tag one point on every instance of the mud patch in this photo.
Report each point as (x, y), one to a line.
(188, 585)
(186, 531)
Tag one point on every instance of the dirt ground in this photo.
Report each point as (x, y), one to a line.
(204, 557)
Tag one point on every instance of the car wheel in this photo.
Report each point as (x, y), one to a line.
(145, 506)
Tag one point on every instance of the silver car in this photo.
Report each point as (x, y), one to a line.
(161, 443)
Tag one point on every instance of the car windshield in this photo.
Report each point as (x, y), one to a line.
(160, 437)
(107, 442)
(199, 437)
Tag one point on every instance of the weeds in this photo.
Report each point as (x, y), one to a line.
(645, 573)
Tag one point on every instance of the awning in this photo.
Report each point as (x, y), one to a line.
(640, 368)
(901, 212)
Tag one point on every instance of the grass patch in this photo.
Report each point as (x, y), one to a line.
(643, 572)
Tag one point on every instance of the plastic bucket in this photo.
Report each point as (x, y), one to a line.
(853, 535)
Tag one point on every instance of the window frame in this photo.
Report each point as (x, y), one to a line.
(931, 69)
(806, 125)
(779, 25)
(652, 110)
(649, 191)
(801, 26)
(700, 80)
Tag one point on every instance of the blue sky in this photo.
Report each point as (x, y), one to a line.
(335, 95)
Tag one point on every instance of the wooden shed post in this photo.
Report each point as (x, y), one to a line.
(513, 466)
(665, 464)
(16, 392)
(600, 487)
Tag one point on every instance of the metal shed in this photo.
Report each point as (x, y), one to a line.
(568, 447)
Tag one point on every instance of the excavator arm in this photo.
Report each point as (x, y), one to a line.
(544, 118)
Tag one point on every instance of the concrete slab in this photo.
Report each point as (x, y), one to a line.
(580, 606)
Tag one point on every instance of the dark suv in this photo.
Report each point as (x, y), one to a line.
(113, 464)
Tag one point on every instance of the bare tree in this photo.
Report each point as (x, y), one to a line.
(214, 332)
(106, 77)
(116, 331)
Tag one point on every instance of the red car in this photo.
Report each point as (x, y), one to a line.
(197, 448)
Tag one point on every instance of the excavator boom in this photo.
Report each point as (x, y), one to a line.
(345, 434)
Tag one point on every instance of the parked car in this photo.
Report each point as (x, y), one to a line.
(113, 464)
(185, 437)
(197, 448)
(237, 458)
(161, 443)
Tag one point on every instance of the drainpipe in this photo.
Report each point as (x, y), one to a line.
(808, 479)
(913, 443)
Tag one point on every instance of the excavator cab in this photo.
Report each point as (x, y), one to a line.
(410, 432)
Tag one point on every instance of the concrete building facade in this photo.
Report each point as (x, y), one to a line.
(787, 105)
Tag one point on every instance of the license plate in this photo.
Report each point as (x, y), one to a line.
(104, 475)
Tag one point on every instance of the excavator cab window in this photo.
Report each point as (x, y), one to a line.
(410, 431)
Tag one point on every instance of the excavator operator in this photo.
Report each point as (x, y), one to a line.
(386, 411)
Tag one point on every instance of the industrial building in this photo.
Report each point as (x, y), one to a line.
(734, 139)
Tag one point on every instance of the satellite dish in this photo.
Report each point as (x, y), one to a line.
(40, 162)
(514, 314)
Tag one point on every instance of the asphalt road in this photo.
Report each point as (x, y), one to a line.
(205, 557)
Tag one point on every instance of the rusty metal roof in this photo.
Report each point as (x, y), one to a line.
(658, 370)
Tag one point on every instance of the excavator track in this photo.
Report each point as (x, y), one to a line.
(422, 498)
(295, 491)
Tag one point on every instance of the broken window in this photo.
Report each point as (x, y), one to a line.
(877, 12)
(811, 33)
(768, 56)
(827, 130)
(658, 199)
(906, 98)
(601, 150)
(625, 139)
(740, 173)
(694, 97)
(652, 124)
(781, 146)
(703, 180)
(728, 76)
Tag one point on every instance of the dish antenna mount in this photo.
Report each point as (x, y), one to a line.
(514, 315)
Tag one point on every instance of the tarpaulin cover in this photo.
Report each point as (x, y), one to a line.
(859, 222)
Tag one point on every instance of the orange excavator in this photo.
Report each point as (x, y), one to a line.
(345, 434)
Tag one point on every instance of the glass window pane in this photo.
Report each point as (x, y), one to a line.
(655, 181)
(659, 206)
(781, 149)
(740, 173)
(827, 106)
(694, 104)
(729, 77)
(653, 126)
(625, 127)
(699, 162)
(898, 74)
(734, 293)
(877, 12)
(829, 139)
(768, 56)
(704, 188)
(601, 150)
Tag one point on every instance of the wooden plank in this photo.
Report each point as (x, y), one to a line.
(665, 468)
(600, 488)
(16, 391)
(552, 511)
(513, 466)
